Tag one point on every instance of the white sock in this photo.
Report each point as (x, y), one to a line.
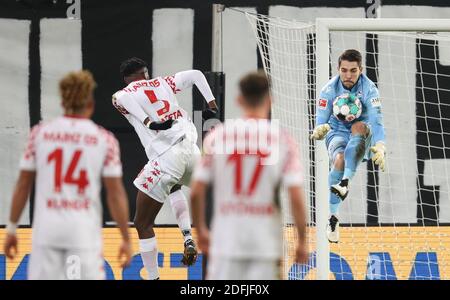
(149, 255)
(180, 208)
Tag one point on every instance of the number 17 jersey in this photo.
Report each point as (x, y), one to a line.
(246, 161)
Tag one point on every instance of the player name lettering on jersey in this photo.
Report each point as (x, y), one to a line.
(250, 137)
(139, 84)
(246, 208)
(71, 138)
(67, 204)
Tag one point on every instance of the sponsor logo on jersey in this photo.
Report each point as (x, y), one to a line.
(323, 103)
(175, 115)
(376, 102)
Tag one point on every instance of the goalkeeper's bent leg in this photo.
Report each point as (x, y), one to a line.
(334, 177)
(353, 155)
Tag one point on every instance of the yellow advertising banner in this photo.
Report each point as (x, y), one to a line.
(381, 252)
(362, 253)
(170, 248)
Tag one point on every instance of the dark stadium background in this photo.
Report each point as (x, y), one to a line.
(104, 23)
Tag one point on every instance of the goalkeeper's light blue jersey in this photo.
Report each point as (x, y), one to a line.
(366, 91)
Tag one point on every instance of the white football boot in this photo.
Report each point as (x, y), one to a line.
(333, 229)
(340, 189)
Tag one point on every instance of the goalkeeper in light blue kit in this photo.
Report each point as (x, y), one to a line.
(348, 143)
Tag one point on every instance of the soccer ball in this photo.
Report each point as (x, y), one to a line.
(347, 107)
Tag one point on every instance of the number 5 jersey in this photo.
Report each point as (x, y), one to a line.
(247, 161)
(155, 99)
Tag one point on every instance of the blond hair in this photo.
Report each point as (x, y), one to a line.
(75, 89)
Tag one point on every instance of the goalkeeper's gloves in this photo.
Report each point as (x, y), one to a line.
(209, 113)
(378, 154)
(160, 125)
(320, 132)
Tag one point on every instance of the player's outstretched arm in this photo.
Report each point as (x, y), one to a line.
(296, 195)
(376, 123)
(118, 207)
(20, 197)
(187, 79)
(198, 191)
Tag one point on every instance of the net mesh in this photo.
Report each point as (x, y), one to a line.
(394, 224)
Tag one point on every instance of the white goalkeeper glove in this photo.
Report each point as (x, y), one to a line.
(320, 132)
(378, 154)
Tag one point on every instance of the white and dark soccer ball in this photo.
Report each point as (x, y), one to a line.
(347, 107)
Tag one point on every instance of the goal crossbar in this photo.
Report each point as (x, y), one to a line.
(323, 28)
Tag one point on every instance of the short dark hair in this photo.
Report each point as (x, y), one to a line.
(254, 87)
(131, 65)
(351, 55)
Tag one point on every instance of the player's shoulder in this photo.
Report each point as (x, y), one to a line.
(38, 128)
(118, 94)
(58, 123)
(103, 132)
(118, 98)
(210, 140)
(169, 82)
(330, 87)
(107, 137)
(42, 124)
(215, 131)
(369, 86)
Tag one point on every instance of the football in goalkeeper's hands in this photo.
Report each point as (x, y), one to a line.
(347, 107)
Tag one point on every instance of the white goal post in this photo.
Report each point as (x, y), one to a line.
(396, 224)
(323, 28)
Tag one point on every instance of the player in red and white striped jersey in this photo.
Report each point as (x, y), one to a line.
(68, 158)
(169, 139)
(247, 160)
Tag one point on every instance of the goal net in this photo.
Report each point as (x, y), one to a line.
(394, 224)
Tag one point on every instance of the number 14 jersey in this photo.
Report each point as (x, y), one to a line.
(70, 156)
